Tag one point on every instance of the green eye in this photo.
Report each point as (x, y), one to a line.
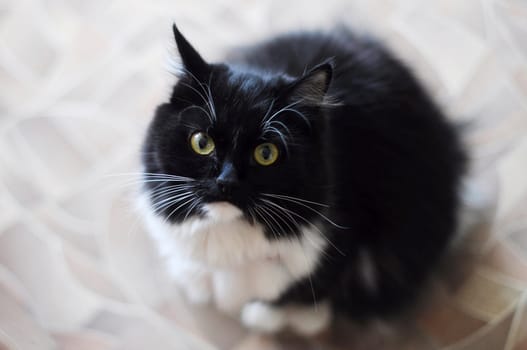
(201, 143)
(266, 154)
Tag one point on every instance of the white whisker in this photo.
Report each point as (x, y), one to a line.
(286, 198)
(209, 101)
(267, 120)
(280, 215)
(308, 222)
(201, 109)
(286, 212)
(213, 106)
(269, 212)
(202, 97)
(283, 138)
(161, 190)
(193, 205)
(259, 211)
(178, 207)
(271, 105)
(282, 196)
(280, 124)
(300, 114)
(178, 192)
(156, 175)
(158, 207)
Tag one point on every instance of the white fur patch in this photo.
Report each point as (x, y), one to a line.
(222, 211)
(263, 317)
(476, 199)
(233, 258)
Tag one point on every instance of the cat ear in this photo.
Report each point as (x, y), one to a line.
(313, 86)
(192, 60)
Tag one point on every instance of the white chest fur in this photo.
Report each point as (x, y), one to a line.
(225, 259)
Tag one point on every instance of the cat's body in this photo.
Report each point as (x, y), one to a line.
(352, 214)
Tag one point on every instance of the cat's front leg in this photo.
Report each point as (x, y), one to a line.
(303, 319)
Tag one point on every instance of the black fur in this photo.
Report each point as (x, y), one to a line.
(363, 138)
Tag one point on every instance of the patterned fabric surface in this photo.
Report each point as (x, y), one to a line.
(78, 84)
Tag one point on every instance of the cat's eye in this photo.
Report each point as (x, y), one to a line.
(266, 154)
(202, 143)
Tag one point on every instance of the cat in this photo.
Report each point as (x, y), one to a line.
(306, 176)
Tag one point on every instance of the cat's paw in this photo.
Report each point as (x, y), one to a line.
(262, 317)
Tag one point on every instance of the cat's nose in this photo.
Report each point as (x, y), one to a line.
(227, 179)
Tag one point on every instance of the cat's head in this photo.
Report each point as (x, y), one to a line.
(232, 137)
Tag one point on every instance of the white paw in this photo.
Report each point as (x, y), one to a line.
(263, 317)
(309, 320)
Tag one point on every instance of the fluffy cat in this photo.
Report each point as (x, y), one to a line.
(307, 175)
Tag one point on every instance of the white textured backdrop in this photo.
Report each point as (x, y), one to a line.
(78, 83)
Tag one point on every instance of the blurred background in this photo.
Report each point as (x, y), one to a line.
(79, 81)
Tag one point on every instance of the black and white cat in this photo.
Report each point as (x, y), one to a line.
(308, 175)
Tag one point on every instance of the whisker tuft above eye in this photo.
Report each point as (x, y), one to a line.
(211, 114)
